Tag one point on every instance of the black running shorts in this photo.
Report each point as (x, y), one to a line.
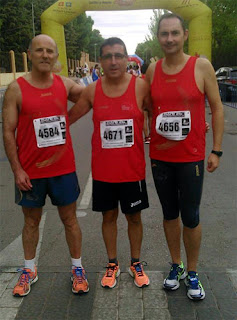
(132, 196)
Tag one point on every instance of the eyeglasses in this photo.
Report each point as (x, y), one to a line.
(117, 56)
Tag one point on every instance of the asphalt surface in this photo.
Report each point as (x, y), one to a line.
(51, 297)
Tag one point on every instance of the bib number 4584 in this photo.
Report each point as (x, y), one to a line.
(48, 132)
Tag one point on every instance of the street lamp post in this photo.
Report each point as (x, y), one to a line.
(33, 18)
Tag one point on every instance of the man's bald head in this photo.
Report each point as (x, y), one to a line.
(42, 37)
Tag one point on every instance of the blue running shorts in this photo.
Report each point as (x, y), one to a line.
(62, 190)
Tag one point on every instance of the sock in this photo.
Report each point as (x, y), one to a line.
(192, 273)
(76, 262)
(134, 260)
(30, 264)
(113, 261)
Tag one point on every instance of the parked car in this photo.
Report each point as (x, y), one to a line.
(227, 81)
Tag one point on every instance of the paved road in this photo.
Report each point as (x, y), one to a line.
(51, 296)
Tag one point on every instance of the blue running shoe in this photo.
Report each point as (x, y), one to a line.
(177, 273)
(195, 289)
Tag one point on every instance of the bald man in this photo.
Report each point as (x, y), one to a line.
(41, 156)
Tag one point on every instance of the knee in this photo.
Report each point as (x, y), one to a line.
(32, 223)
(70, 222)
(109, 220)
(191, 220)
(110, 217)
(134, 219)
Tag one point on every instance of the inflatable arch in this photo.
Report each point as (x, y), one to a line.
(194, 11)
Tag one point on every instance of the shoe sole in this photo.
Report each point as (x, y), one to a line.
(25, 294)
(115, 282)
(195, 298)
(132, 275)
(80, 291)
(183, 276)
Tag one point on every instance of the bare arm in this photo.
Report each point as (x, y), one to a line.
(74, 90)
(143, 95)
(10, 120)
(212, 92)
(83, 105)
(150, 73)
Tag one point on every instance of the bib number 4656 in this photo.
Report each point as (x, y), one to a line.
(171, 126)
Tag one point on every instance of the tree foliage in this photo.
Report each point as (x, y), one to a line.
(224, 34)
(16, 29)
(150, 47)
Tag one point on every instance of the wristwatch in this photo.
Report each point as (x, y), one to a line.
(218, 153)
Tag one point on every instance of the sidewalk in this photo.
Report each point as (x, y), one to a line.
(51, 299)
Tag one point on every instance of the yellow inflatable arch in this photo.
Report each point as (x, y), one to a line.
(194, 11)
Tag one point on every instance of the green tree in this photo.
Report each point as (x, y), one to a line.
(150, 47)
(77, 35)
(224, 32)
(96, 41)
(17, 29)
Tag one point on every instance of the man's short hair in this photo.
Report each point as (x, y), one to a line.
(169, 16)
(111, 42)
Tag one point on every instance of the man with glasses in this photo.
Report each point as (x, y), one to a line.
(118, 164)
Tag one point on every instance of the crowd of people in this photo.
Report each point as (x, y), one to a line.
(42, 159)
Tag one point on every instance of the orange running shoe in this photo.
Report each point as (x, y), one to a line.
(137, 272)
(109, 279)
(26, 279)
(79, 280)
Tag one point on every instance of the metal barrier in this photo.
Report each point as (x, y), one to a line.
(228, 93)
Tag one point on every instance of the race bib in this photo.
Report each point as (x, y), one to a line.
(50, 131)
(174, 125)
(117, 133)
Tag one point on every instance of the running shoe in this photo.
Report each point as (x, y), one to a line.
(79, 281)
(177, 273)
(195, 289)
(26, 279)
(137, 272)
(109, 279)
(147, 140)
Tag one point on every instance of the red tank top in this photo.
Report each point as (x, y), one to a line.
(177, 97)
(38, 152)
(117, 141)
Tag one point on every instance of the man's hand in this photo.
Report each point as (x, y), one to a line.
(207, 126)
(212, 162)
(22, 180)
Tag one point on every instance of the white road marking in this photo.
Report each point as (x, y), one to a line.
(13, 255)
(86, 198)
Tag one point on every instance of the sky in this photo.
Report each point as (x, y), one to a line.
(131, 26)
